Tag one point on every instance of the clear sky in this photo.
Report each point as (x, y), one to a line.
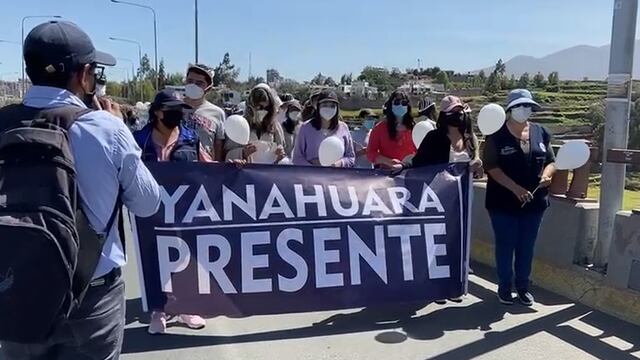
(303, 37)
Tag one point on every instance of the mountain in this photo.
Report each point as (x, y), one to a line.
(574, 63)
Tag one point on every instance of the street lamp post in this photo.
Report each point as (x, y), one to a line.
(139, 59)
(155, 31)
(132, 68)
(22, 87)
(196, 29)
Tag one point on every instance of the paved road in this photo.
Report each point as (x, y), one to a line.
(479, 328)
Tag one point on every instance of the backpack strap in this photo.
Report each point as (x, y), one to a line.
(63, 116)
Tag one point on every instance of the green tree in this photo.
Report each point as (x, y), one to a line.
(442, 78)
(501, 68)
(524, 81)
(554, 78)
(273, 76)
(175, 79)
(346, 79)
(162, 76)
(330, 82)
(513, 83)
(493, 84)
(226, 72)
(378, 77)
(116, 89)
(319, 79)
(539, 80)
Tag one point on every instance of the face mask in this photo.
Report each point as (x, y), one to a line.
(328, 113)
(101, 90)
(455, 119)
(261, 114)
(399, 111)
(294, 115)
(171, 118)
(193, 91)
(369, 124)
(521, 114)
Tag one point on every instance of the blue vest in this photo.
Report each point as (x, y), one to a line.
(186, 148)
(525, 169)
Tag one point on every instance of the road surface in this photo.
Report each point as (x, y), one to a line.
(479, 328)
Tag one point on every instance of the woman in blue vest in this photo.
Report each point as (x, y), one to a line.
(520, 163)
(164, 138)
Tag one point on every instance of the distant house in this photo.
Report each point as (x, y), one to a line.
(421, 87)
(363, 89)
(231, 97)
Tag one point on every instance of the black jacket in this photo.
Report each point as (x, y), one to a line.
(436, 147)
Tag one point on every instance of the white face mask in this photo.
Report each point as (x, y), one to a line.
(327, 113)
(193, 91)
(521, 114)
(294, 115)
(261, 114)
(101, 90)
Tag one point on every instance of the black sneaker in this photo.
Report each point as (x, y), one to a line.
(505, 297)
(525, 297)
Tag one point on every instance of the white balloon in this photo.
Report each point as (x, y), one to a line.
(572, 155)
(420, 131)
(491, 118)
(331, 150)
(237, 129)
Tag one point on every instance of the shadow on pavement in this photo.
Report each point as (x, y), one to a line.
(479, 315)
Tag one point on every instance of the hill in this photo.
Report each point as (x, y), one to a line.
(574, 63)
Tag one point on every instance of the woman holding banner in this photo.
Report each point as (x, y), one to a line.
(453, 141)
(390, 142)
(291, 124)
(326, 122)
(266, 139)
(520, 163)
(164, 138)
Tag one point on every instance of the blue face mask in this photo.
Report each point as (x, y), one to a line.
(369, 123)
(399, 111)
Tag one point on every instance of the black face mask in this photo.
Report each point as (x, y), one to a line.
(171, 118)
(455, 119)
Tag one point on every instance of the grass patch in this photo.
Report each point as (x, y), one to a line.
(631, 199)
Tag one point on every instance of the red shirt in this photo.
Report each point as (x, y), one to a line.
(381, 144)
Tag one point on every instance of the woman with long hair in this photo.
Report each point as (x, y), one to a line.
(326, 122)
(453, 140)
(390, 141)
(266, 139)
(291, 124)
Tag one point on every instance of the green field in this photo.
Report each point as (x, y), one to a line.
(631, 198)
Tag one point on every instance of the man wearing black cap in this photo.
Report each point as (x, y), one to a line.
(62, 63)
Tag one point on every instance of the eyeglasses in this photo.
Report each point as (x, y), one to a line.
(401, 102)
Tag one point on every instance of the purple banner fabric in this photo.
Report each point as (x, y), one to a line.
(285, 239)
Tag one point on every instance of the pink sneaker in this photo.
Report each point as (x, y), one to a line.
(192, 321)
(158, 324)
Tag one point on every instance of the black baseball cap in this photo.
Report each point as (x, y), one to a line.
(168, 98)
(57, 47)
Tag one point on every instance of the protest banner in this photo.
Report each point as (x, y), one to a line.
(284, 239)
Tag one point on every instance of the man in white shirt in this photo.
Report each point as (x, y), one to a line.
(205, 118)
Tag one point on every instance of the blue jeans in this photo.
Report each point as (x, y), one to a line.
(515, 233)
